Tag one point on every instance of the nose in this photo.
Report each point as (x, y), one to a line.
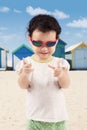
(44, 48)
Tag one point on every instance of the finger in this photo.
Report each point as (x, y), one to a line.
(52, 67)
(60, 63)
(28, 69)
(27, 66)
(24, 61)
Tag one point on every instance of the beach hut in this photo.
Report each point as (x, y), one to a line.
(3, 58)
(60, 49)
(77, 54)
(19, 53)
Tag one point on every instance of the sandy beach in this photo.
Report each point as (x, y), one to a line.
(12, 101)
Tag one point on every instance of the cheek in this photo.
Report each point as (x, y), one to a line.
(52, 49)
(35, 49)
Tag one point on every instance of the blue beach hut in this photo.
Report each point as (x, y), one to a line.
(60, 49)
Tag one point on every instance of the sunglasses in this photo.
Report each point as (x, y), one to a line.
(40, 43)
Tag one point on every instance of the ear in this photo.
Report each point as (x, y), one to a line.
(29, 38)
(57, 39)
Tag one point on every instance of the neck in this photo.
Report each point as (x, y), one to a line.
(37, 58)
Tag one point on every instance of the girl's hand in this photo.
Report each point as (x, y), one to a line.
(58, 71)
(61, 72)
(27, 67)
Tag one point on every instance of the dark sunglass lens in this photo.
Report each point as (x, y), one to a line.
(36, 43)
(49, 44)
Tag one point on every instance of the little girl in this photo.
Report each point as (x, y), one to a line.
(44, 76)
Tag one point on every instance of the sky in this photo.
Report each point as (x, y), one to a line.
(16, 14)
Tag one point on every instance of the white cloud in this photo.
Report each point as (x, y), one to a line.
(80, 23)
(17, 11)
(61, 15)
(36, 11)
(4, 9)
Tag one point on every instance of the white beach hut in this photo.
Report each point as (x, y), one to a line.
(3, 58)
(77, 54)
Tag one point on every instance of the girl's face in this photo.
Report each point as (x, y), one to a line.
(43, 52)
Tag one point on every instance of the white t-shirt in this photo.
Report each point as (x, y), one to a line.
(45, 100)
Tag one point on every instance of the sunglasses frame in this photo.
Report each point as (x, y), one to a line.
(46, 43)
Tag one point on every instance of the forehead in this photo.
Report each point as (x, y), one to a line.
(44, 36)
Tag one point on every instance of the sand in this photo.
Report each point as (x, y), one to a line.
(12, 101)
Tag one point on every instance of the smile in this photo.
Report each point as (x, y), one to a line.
(44, 53)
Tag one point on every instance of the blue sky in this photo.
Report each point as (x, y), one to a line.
(15, 15)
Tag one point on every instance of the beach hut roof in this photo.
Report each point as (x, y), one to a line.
(75, 46)
(61, 41)
(23, 45)
(3, 48)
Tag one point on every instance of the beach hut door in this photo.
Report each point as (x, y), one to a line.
(3, 59)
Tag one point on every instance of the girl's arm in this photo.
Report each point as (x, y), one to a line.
(62, 73)
(64, 79)
(23, 79)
